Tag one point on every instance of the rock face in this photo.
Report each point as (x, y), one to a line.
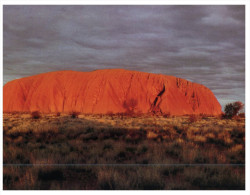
(108, 91)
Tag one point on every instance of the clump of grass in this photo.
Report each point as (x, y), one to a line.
(36, 115)
(210, 178)
(74, 114)
(107, 147)
(122, 156)
(130, 179)
(150, 179)
(152, 135)
(174, 150)
(166, 115)
(172, 171)
(144, 149)
(48, 175)
(131, 149)
(193, 118)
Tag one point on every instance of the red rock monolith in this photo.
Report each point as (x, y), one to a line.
(108, 91)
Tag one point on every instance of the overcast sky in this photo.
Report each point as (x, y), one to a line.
(204, 44)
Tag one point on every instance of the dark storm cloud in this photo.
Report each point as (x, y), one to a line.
(204, 44)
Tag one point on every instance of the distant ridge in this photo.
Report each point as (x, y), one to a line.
(108, 91)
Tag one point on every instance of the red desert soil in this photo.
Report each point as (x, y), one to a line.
(111, 90)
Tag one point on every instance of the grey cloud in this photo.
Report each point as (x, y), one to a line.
(220, 15)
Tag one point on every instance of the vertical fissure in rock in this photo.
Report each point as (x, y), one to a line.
(155, 108)
(161, 92)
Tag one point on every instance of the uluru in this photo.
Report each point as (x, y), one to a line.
(108, 91)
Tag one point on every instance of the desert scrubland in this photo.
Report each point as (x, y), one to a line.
(84, 151)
